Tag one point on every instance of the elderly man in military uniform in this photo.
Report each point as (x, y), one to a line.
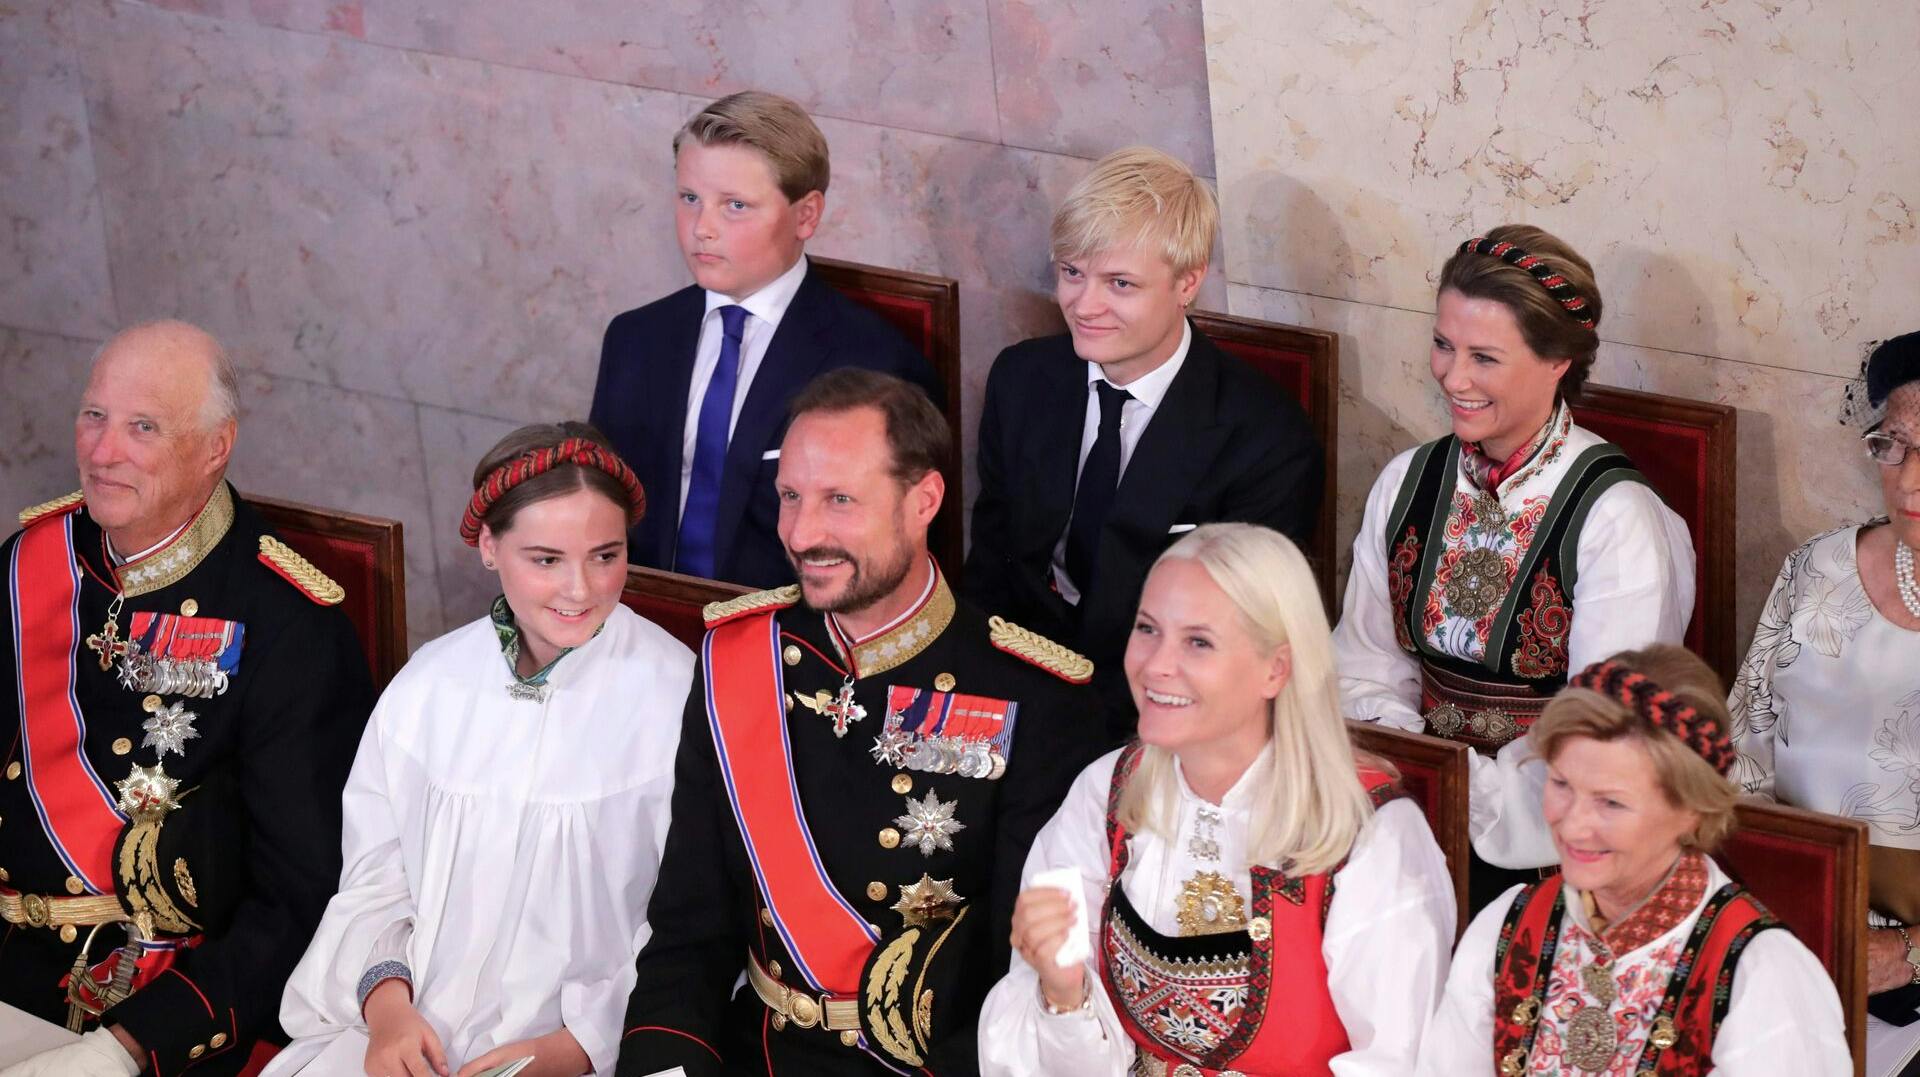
(864, 763)
(181, 705)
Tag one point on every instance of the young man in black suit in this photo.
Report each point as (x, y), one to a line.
(1173, 432)
(693, 388)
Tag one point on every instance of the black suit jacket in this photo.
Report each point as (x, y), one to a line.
(1225, 444)
(640, 403)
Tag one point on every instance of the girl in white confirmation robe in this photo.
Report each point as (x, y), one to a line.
(1640, 957)
(506, 812)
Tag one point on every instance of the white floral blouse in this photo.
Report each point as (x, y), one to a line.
(1826, 707)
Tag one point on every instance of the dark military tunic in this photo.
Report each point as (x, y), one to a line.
(870, 815)
(253, 852)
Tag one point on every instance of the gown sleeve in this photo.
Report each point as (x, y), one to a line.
(370, 920)
(1388, 938)
(1459, 1039)
(1379, 682)
(1018, 1037)
(1754, 707)
(1784, 1017)
(1635, 588)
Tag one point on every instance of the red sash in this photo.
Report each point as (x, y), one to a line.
(77, 811)
(746, 712)
(1698, 989)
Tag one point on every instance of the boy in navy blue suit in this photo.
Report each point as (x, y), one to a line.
(693, 388)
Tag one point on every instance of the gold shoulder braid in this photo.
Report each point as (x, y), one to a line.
(1063, 662)
(300, 572)
(48, 508)
(778, 598)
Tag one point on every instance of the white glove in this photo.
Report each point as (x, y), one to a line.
(97, 1054)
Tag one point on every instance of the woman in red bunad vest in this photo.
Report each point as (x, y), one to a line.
(1257, 899)
(1640, 958)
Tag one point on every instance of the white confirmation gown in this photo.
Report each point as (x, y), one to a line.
(503, 849)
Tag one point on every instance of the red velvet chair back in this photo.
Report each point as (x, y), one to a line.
(1685, 449)
(1434, 773)
(1306, 364)
(363, 554)
(926, 310)
(1810, 869)
(674, 602)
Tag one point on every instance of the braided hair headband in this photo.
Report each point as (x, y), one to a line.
(1660, 709)
(1557, 286)
(540, 461)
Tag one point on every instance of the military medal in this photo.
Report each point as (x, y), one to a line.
(146, 793)
(891, 747)
(930, 899)
(1592, 1039)
(941, 732)
(174, 654)
(168, 728)
(107, 642)
(929, 824)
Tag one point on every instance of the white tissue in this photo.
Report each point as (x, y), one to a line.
(1075, 949)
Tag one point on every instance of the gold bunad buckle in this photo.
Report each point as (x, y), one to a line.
(803, 1009)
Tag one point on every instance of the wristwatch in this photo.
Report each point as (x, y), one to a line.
(1911, 956)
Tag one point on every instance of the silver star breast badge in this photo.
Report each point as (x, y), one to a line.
(929, 823)
(169, 729)
(147, 792)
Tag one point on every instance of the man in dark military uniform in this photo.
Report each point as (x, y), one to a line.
(181, 705)
(864, 763)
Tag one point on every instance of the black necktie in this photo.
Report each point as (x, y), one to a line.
(1094, 495)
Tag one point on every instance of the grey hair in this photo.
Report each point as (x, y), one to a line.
(221, 404)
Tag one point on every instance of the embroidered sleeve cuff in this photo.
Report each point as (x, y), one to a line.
(378, 974)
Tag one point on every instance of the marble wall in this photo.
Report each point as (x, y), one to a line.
(411, 219)
(1741, 173)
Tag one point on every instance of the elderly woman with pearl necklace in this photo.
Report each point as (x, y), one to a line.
(1826, 707)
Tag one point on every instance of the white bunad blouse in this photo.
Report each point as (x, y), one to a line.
(1387, 935)
(502, 836)
(1783, 1017)
(1634, 588)
(1826, 706)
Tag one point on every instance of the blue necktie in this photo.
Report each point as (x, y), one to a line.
(694, 554)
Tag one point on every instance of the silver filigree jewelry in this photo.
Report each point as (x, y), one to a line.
(1205, 844)
(1903, 578)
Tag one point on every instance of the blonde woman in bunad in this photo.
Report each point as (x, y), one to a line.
(1640, 958)
(506, 813)
(1826, 707)
(1257, 899)
(1519, 548)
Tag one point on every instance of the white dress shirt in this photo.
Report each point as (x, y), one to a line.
(1147, 391)
(765, 308)
(1388, 933)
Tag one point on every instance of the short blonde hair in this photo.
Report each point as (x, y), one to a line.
(1312, 804)
(1688, 781)
(777, 127)
(1139, 198)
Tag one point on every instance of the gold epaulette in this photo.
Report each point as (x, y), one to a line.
(300, 572)
(67, 503)
(719, 613)
(1063, 662)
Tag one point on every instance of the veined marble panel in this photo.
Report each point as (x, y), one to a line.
(53, 251)
(431, 229)
(43, 377)
(1800, 471)
(340, 449)
(1740, 173)
(924, 64)
(453, 443)
(1087, 78)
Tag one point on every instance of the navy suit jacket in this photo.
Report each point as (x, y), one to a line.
(640, 403)
(1225, 444)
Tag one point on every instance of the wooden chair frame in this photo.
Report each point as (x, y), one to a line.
(1849, 838)
(384, 536)
(672, 587)
(1715, 568)
(942, 298)
(1322, 407)
(1448, 759)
